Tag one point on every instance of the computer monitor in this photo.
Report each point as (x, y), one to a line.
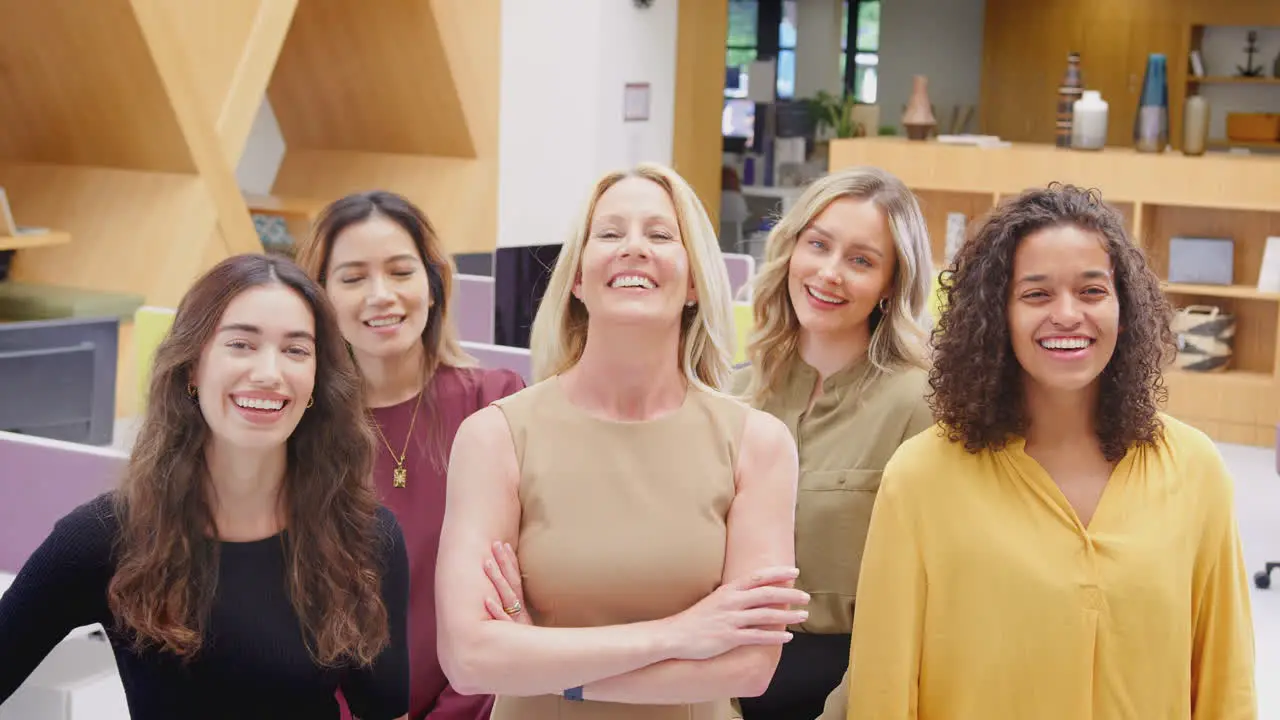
(475, 263)
(58, 378)
(520, 278)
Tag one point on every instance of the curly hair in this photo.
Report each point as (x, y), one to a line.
(976, 379)
(162, 590)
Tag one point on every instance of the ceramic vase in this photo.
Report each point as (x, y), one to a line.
(1068, 93)
(918, 120)
(1151, 124)
(1195, 125)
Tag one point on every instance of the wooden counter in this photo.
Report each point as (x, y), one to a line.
(1161, 196)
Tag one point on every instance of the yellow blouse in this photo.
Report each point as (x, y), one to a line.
(983, 597)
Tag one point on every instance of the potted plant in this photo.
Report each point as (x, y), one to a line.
(832, 117)
(835, 112)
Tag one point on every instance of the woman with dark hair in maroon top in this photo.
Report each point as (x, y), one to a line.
(382, 266)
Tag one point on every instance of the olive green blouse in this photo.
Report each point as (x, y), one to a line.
(844, 442)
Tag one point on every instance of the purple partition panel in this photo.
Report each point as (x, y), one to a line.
(40, 481)
(500, 356)
(741, 268)
(473, 308)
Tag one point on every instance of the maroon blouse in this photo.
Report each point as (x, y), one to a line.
(452, 395)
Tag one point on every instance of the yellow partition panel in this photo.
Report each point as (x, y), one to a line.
(150, 326)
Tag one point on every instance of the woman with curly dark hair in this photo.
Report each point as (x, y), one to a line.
(244, 567)
(1056, 547)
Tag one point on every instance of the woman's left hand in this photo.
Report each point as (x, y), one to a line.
(504, 572)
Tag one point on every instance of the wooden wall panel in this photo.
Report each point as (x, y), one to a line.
(700, 57)
(364, 76)
(81, 88)
(457, 186)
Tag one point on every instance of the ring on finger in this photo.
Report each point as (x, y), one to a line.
(513, 609)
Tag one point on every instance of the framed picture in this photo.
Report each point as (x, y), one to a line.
(635, 104)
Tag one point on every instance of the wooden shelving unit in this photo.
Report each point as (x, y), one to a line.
(34, 240)
(1161, 196)
(124, 135)
(1201, 84)
(1193, 80)
(124, 131)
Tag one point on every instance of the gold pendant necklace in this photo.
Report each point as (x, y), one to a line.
(400, 476)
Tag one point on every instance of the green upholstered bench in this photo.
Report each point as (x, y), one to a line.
(33, 301)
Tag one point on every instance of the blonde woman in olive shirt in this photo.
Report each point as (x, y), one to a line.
(838, 355)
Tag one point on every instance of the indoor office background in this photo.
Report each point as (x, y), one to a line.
(153, 139)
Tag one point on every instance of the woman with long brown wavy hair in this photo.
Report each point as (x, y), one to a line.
(244, 567)
(384, 270)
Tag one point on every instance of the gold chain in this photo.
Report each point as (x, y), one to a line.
(399, 477)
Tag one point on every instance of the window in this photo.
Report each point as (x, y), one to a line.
(787, 51)
(739, 117)
(744, 41)
(740, 48)
(866, 49)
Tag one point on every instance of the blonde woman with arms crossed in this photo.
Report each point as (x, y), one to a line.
(838, 355)
(650, 516)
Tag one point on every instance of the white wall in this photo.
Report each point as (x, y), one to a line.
(564, 67)
(941, 39)
(263, 153)
(818, 31)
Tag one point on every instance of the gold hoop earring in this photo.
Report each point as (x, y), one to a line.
(191, 390)
(311, 401)
(883, 305)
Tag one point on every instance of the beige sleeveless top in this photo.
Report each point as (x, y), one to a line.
(620, 522)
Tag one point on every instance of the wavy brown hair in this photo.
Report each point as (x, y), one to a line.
(167, 553)
(976, 379)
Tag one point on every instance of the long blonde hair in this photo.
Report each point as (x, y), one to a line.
(559, 331)
(898, 337)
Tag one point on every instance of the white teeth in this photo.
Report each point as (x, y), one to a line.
(825, 297)
(259, 403)
(633, 281)
(1065, 343)
(384, 322)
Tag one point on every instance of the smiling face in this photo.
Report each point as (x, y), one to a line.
(1063, 310)
(842, 265)
(379, 286)
(256, 374)
(634, 265)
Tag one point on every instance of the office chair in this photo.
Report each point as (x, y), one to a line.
(1263, 578)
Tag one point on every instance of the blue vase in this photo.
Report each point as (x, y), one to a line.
(1151, 125)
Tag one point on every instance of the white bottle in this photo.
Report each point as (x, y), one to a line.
(1089, 122)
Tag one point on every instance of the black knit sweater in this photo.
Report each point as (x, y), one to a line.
(253, 663)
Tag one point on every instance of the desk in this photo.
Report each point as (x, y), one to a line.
(77, 680)
(786, 196)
